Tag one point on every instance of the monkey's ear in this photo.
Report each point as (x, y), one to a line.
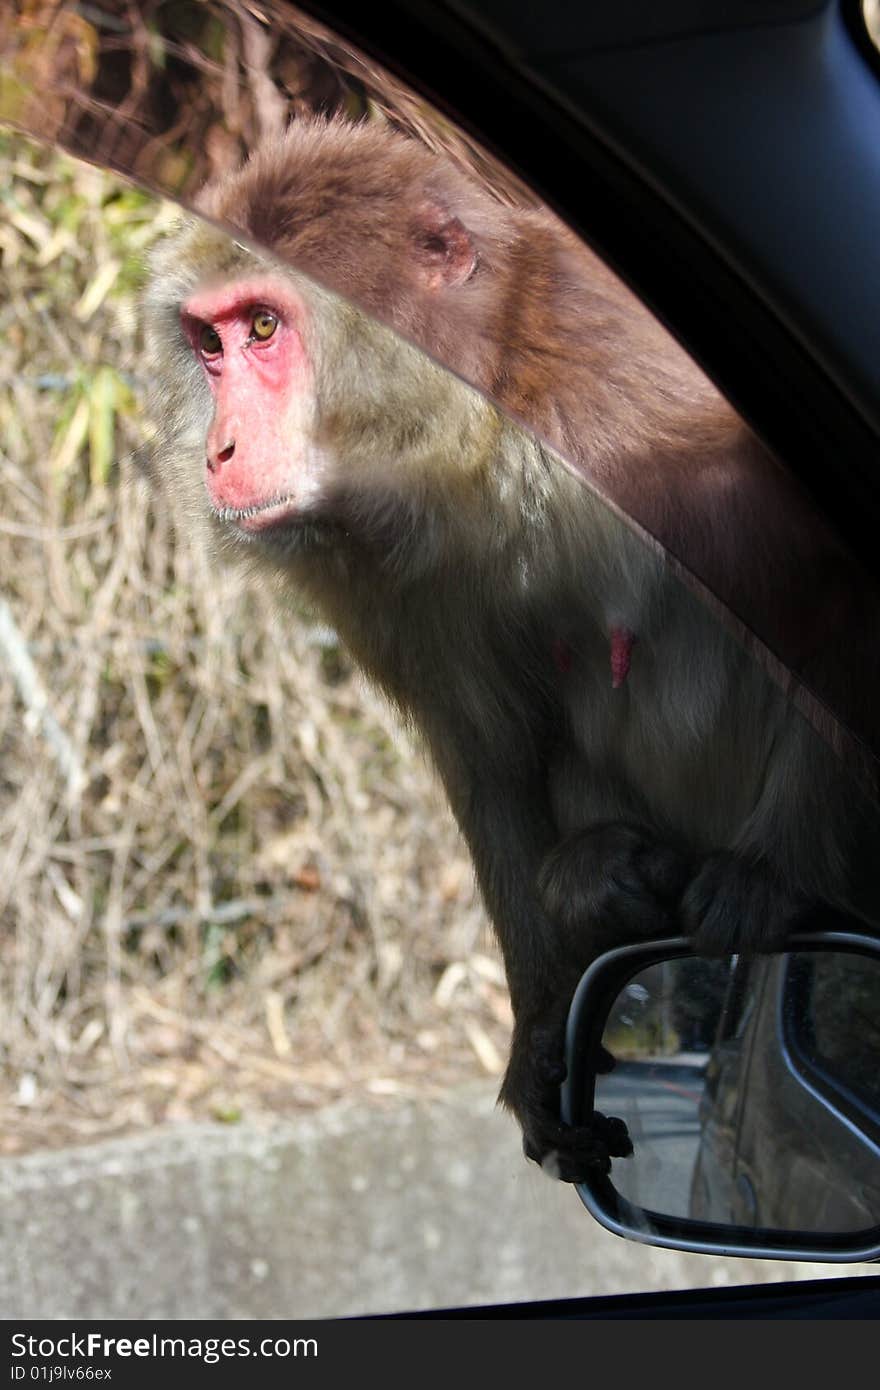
(443, 248)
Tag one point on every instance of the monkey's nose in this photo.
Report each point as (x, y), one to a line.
(222, 456)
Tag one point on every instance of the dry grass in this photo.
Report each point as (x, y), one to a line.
(228, 883)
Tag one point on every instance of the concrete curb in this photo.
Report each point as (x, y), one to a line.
(341, 1212)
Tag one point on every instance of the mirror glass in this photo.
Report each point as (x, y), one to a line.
(751, 1090)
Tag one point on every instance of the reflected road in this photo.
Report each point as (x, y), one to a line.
(659, 1101)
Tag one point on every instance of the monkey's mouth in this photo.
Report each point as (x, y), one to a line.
(263, 516)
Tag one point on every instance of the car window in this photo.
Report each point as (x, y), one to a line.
(240, 912)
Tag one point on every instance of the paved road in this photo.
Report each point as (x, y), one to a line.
(659, 1104)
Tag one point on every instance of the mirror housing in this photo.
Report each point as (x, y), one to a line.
(751, 1089)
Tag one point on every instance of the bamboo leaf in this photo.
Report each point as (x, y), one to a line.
(31, 225)
(69, 440)
(102, 421)
(96, 290)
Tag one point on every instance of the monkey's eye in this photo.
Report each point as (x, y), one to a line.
(209, 341)
(263, 325)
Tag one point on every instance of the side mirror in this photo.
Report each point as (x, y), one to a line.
(750, 1086)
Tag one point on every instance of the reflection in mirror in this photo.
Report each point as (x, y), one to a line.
(749, 1090)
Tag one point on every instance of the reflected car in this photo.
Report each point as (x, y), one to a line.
(790, 1109)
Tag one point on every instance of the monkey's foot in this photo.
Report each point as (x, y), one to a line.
(615, 880)
(574, 1153)
(571, 1153)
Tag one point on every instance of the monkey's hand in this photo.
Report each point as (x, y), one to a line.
(736, 904)
(531, 1090)
(611, 884)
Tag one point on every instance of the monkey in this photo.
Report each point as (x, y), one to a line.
(509, 545)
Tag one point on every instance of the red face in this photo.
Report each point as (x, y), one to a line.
(246, 337)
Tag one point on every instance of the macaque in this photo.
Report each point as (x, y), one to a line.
(618, 762)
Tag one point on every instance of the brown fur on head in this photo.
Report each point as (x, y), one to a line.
(506, 297)
(377, 218)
